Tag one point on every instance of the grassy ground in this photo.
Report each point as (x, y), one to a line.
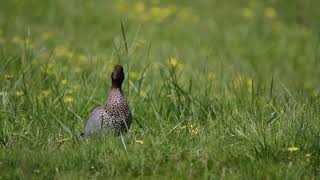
(226, 89)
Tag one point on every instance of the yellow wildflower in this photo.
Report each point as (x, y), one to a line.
(62, 140)
(109, 68)
(186, 15)
(143, 93)
(8, 76)
(82, 58)
(155, 66)
(183, 14)
(28, 41)
(64, 82)
(17, 40)
(270, 12)
(247, 13)
(68, 99)
(139, 7)
(155, 11)
(48, 69)
(62, 52)
(249, 83)
(46, 35)
(44, 93)
(173, 62)
(2, 93)
(34, 61)
(19, 93)
(183, 127)
(194, 131)
(133, 75)
(308, 155)
(293, 149)
(77, 69)
(73, 89)
(139, 141)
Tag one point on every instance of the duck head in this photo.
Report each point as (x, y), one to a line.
(117, 76)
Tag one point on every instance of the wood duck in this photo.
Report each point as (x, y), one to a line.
(114, 116)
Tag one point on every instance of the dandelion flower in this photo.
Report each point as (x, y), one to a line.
(139, 7)
(64, 82)
(247, 13)
(68, 99)
(34, 61)
(249, 82)
(183, 14)
(155, 11)
(63, 52)
(155, 66)
(46, 35)
(143, 93)
(77, 69)
(133, 75)
(82, 58)
(19, 93)
(293, 149)
(270, 12)
(17, 40)
(194, 131)
(28, 41)
(48, 69)
(173, 61)
(139, 141)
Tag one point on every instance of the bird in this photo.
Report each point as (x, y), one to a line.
(115, 115)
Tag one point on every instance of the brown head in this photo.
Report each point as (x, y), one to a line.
(117, 76)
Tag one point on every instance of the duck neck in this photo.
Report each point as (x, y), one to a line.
(116, 85)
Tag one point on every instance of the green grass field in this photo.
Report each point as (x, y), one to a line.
(218, 89)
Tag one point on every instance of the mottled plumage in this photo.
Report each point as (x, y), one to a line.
(114, 115)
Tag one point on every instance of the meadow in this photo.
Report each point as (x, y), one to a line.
(218, 89)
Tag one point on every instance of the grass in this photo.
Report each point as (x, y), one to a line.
(218, 90)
